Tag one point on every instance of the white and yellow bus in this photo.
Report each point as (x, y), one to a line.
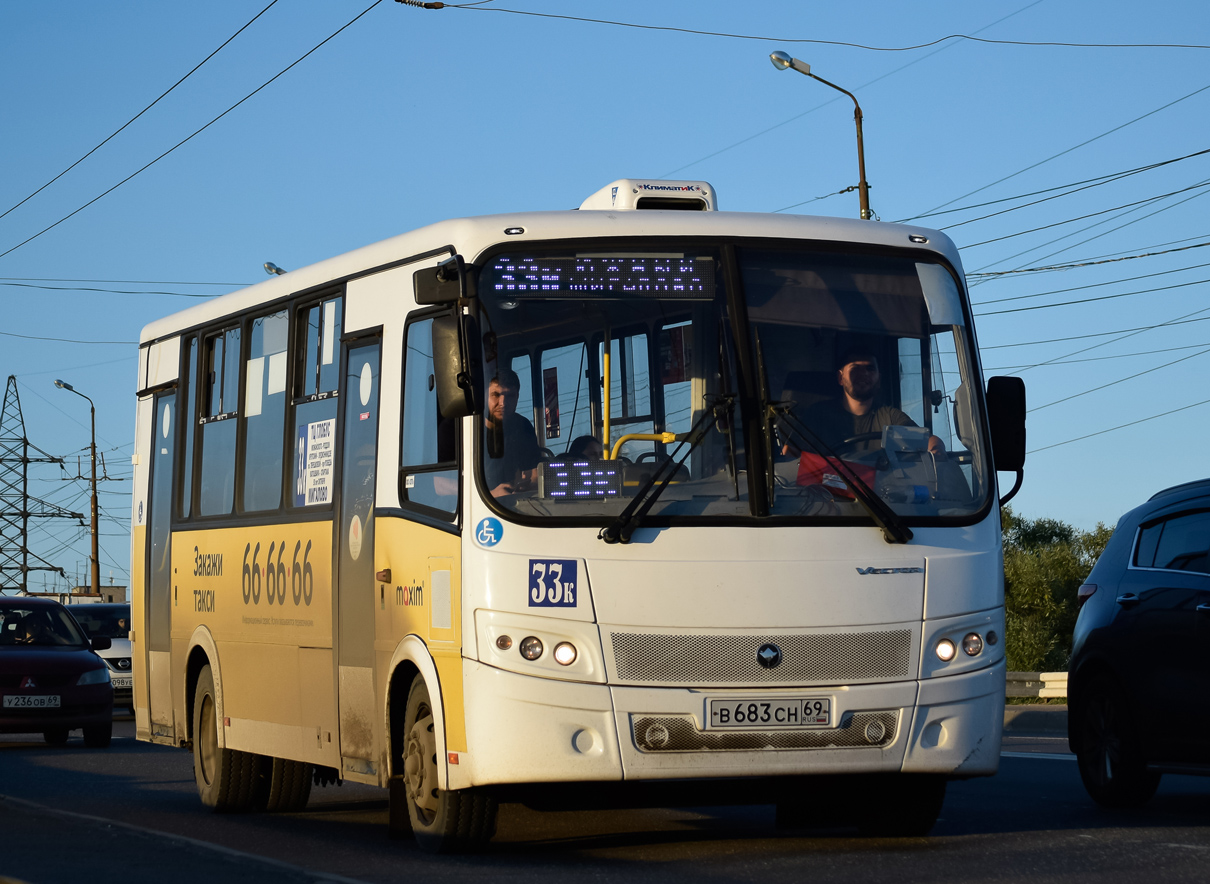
(641, 502)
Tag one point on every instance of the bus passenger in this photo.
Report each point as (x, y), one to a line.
(510, 440)
(858, 410)
(585, 446)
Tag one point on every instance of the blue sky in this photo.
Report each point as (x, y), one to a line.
(410, 116)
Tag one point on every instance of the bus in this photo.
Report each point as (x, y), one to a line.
(640, 502)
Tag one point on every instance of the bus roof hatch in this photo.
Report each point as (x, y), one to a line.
(637, 193)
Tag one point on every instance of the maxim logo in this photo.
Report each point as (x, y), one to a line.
(890, 570)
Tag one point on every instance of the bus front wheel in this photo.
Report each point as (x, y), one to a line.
(226, 778)
(443, 821)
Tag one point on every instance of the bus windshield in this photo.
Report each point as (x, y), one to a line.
(823, 377)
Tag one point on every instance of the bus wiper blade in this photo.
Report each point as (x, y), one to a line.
(884, 517)
(623, 527)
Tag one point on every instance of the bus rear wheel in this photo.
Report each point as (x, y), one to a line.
(226, 778)
(284, 786)
(443, 821)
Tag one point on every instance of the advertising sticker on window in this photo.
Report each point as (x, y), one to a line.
(313, 479)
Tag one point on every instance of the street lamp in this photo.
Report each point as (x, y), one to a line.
(96, 560)
(782, 61)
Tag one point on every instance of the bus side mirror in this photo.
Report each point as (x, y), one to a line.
(443, 284)
(1006, 415)
(457, 366)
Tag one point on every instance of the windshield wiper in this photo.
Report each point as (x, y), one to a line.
(884, 517)
(621, 528)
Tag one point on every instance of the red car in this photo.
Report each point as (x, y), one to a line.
(51, 679)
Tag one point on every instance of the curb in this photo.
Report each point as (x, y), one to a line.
(1044, 721)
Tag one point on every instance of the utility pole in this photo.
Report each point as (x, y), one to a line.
(16, 506)
(95, 576)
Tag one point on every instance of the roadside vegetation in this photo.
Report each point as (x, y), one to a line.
(1045, 561)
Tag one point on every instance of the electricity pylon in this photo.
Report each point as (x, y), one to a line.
(16, 506)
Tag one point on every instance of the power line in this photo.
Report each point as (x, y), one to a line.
(120, 281)
(1120, 426)
(1164, 288)
(1143, 202)
(140, 113)
(832, 100)
(77, 288)
(474, 7)
(1011, 368)
(1119, 331)
(1091, 262)
(1089, 182)
(1091, 285)
(64, 340)
(196, 133)
(1064, 152)
(1120, 380)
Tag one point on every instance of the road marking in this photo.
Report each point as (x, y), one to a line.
(1051, 756)
(108, 822)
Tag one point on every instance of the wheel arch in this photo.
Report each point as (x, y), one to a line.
(412, 658)
(202, 653)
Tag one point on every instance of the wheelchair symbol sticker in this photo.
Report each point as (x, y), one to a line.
(489, 532)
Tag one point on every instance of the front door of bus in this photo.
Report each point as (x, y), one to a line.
(158, 585)
(355, 560)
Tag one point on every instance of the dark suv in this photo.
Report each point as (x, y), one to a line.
(1140, 668)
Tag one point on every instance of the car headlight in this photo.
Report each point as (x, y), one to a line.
(95, 676)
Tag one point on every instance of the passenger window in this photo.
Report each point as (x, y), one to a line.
(428, 473)
(1181, 543)
(189, 427)
(629, 392)
(221, 391)
(676, 376)
(566, 398)
(265, 411)
(317, 344)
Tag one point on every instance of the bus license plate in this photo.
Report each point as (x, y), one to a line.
(783, 712)
(41, 701)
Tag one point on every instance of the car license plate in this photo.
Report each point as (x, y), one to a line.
(26, 701)
(123, 681)
(780, 712)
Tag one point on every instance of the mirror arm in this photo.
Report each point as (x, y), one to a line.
(1016, 487)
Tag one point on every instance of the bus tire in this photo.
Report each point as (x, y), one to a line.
(1111, 758)
(903, 806)
(226, 778)
(285, 786)
(443, 821)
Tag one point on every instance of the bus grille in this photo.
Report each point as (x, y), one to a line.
(840, 657)
(861, 730)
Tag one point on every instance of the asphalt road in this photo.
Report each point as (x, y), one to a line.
(130, 813)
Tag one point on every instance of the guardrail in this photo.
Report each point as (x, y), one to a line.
(1037, 684)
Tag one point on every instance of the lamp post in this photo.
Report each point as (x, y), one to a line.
(782, 61)
(96, 560)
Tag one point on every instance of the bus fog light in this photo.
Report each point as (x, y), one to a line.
(565, 653)
(531, 647)
(875, 731)
(504, 642)
(972, 644)
(992, 638)
(946, 650)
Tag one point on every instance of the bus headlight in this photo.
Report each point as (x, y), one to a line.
(531, 647)
(972, 644)
(946, 650)
(565, 653)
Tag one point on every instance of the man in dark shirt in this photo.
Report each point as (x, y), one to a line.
(857, 411)
(510, 442)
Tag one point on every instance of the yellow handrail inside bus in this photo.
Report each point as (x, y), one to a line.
(666, 438)
(605, 394)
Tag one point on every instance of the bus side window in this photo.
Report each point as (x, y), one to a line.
(428, 473)
(188, 407)
(265, 411)
(317, 373)
(221, 390)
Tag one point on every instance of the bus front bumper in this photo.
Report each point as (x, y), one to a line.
(522, 729)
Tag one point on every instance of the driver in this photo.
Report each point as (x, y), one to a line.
(510, 441)
(858, 411)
